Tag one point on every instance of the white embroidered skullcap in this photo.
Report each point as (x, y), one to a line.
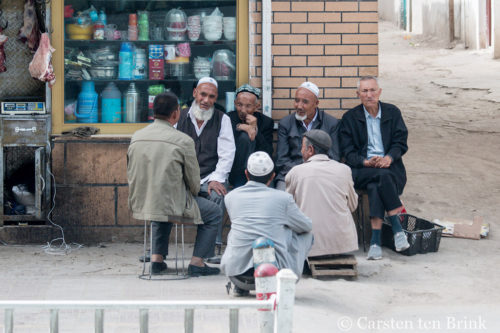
(260, 164)
(207, 79)
(311, 87)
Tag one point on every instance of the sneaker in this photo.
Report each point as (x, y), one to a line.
(238, 292)
(205, 270)
(400, 241)
(374, 253)
(158, 268)
(214, 260)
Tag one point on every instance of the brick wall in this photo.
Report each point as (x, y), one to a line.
(330, 43)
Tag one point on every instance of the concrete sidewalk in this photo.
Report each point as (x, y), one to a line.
(386, 290)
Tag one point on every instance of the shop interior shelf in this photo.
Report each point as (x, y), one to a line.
(184, 79)
(73, 42)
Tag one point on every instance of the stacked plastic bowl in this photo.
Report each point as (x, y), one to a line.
(194, 27)
(212, 27)
(229, 28)
(201, 67)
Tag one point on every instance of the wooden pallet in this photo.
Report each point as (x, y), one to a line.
(338, 265)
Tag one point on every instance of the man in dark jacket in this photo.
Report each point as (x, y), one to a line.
(291, 128)
(373, 139)
(253, 131)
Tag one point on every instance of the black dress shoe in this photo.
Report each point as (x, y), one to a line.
(205, 270)
(158, 268)
(238, 292)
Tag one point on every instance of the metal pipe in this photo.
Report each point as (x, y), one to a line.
(143, 320)
(9, 321)
(171, 305)
(99, 321)
(188, 320)
(267, 84)
(233, 320)
(54, 321)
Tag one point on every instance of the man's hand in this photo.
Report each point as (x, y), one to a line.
(372, 162)
(384, 162)
(250, 127)
(217, 187)
(251, 120)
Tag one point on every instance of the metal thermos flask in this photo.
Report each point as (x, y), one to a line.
(132, 105)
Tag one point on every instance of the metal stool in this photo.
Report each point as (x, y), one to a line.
(177, 274)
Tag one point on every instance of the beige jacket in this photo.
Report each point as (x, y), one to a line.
(163, 175)
(324, 191)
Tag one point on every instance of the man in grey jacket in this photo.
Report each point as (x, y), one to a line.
(164, 181)
(307, 116)
(259, 211)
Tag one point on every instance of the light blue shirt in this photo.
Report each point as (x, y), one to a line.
(375, 144)
(309, 127)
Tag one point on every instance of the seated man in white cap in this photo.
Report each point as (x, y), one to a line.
(324, 191)
(257, 210)
(306, 117)
(212, 133)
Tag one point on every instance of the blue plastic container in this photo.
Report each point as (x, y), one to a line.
(87, 104)
(126, 65)
(111, 110)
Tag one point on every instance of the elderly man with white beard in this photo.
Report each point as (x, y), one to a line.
(212, 133)
(307, 116)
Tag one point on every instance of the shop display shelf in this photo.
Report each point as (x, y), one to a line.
(73, 42)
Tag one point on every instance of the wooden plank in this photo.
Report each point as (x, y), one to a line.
(340, 261)
(335, 272)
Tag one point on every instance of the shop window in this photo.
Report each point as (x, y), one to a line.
(119, 54)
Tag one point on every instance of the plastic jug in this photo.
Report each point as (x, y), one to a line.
(111, 104)
(126, 62)
(87, 103)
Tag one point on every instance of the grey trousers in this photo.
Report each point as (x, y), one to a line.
(280, 185)
(219, 201)
(204, 245)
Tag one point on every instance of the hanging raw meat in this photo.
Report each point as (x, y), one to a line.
(3, 39)
(41, 66)
(30, 31)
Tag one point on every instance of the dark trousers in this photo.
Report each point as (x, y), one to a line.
(382, 187)
(204, 245)
(244, 148)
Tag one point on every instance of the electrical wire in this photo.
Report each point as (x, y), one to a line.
(62, 248)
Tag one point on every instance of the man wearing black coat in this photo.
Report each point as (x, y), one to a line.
(373, 139)
(253, 131)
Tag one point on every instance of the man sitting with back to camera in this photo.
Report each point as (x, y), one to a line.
(253, 131)
(257, 210)
(164, 180)
(324, 191)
